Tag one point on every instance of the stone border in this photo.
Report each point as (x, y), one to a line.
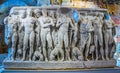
(55, 7)
(54, 65)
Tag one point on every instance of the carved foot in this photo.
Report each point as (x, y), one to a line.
(30, 60)
(46, 60)
(103, 58)
(87, 59)
(97, 59)
(68, 59)
(23, 59)
(107, 58)
(11, 59)
(62, 59)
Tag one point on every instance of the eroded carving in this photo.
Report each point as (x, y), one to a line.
(40, 34)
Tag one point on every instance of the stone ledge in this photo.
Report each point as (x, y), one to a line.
(108, 70)
(53, 65)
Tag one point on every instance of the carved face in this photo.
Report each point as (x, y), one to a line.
(29, 12)
(52, 14)
(22, 14)
(44, 12)
(13, 12)
(37, 13)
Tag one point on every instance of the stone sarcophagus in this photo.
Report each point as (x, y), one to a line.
(59, 38)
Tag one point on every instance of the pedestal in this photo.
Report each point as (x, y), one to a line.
(65, 65)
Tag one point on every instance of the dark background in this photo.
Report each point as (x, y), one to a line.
(3, 47)
(1, 1)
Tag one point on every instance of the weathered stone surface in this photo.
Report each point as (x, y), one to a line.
(58, 38)
(58, 65)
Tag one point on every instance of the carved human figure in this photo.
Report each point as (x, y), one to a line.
(46, 22)
(20, 33)
(63, 24)
(77, 54)
(91, 20)
(38, 14)
(108, 25)
(29, 36)
(38, 56)
(91, 29)
(85, 36)
(12, 36)
(54, 18)
(57, 52)
(8, 35)
(54, 29)
(74, 34)
(98, 36)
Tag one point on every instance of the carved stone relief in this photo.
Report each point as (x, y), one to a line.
(44, 34)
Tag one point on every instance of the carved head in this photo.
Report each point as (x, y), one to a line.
(13, 12)
(101, 15)
(52, 14)
(44, 12)
(37, 12)
(29, 12)
(22, 13)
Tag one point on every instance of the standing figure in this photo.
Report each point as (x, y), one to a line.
(38, 14)
(63, 24)
(20, 33)
(29, 27)
(12, 34)
(85, 36)
(46, 22)
(108, 25)
(74, 35)
(54, 29)
(98, 36)
(14, 37)
(8, 36)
